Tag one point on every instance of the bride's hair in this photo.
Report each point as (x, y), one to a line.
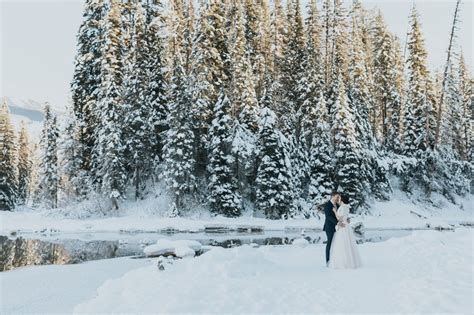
(345, 199)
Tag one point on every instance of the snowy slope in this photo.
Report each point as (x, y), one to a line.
(398, 276)
(150, 215)
(30, 112)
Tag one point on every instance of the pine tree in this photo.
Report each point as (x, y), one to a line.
(274, 182)
(224, 196)
(372, 176)
(244, 99)
(347, 151)
(387, 90)
(109, 154)
(87, 80)
(157, 86)
(466, 133)
(138, 132)
(336, 53)
(179, 162)
(210, 71)
(244, 109)
(291, 70)
(48, 169)
(415, 117)
(8, 169)
(24, 166)
(419, 121)
(33, 187)
(321, 159)
(72, 177)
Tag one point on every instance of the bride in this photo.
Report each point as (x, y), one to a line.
(344, 253)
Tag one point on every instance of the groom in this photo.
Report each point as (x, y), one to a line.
(331, 220)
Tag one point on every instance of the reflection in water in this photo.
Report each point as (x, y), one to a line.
(24, 252)
(21, 251)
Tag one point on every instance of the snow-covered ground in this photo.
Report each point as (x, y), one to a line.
(428, 271)
(58, 288)
(425, 272)
(149, 216)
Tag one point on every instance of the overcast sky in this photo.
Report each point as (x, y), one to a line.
(38, 41)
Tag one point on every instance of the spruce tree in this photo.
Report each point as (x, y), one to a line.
(179, 162)
(138, 132)
(274, 181)
(24, 166)
(210, 71)
(87, 81)
(244, 109)
(157, 86)
(387, 90)
(347, 171)
(415, 119)
(321, 155)
(372, 176)
(72, 175)
(8, 165)
(109, 155)
(48, 169)
(466, 133)
(224, 196)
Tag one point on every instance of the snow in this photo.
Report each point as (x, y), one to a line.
(178, 247)
(150, 216)
(184, 251)
(58, 288)
(301, 242)
(427, 271)
(31, 113)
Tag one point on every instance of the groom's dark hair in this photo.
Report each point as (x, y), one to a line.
(334, 193)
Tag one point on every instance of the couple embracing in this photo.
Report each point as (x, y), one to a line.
(341, 247)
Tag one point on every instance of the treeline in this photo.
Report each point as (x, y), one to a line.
(245, 105)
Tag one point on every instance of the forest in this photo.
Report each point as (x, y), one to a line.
(238, 105)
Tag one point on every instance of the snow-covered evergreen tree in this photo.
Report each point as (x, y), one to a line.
(156, 90)
(209, 72)
(8, 163)
(372, 175)
(24, 166)
(387, 90)
(415, 118)
(419, 117)
(87, 80)
(244, 108)
(274, 180)
(72, 177)
(347, 171)
(336, 52)
(109, 154)
(179, 161)
(321, 155)
(48, 169)
(466, 132)
(224, 197)
(138, 133)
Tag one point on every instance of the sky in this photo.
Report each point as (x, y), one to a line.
(38, 41)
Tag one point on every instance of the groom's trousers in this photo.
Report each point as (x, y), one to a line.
(329, 234)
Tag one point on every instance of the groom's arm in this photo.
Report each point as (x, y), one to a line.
(328, 211)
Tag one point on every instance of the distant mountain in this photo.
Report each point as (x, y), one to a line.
(31, 113)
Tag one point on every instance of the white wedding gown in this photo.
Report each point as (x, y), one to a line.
(344, 253)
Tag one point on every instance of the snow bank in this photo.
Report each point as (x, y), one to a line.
(425, 272)
(180, 248)
(148, 216)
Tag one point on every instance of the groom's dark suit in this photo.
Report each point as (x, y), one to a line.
(329, 225)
